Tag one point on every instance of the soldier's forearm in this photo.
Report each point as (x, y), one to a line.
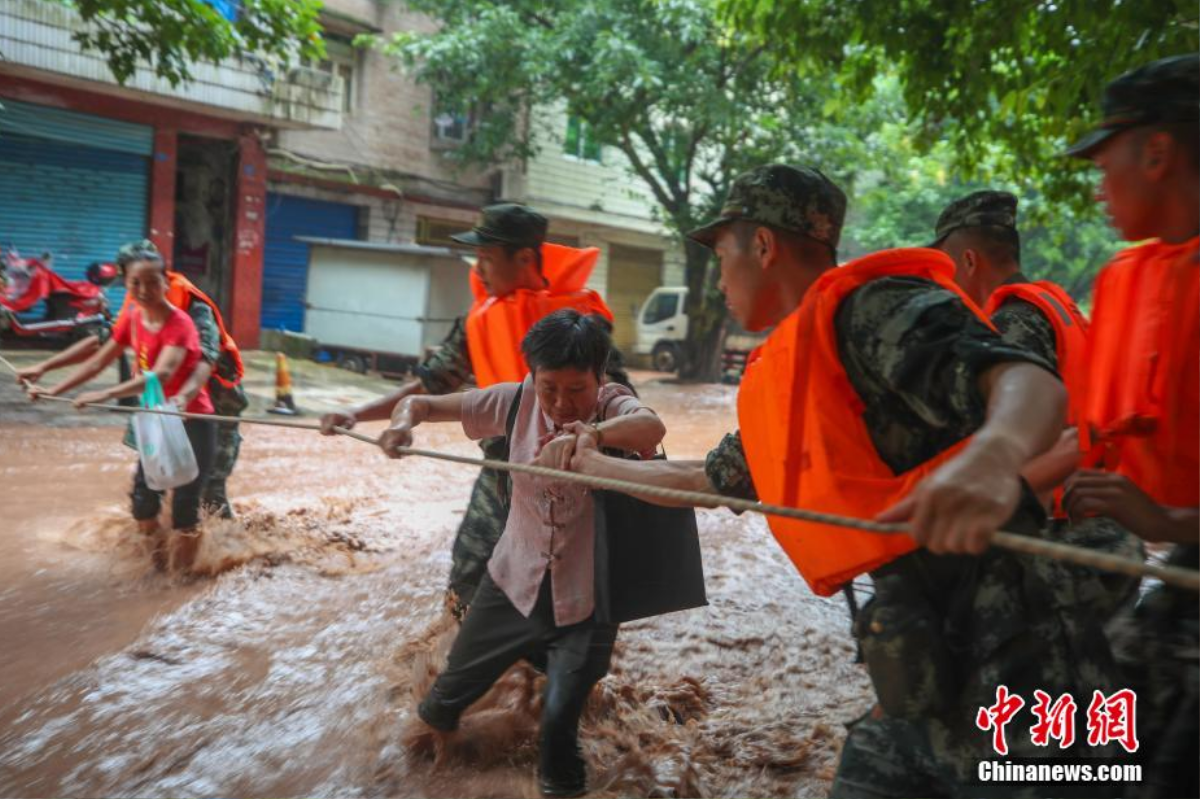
(382, 408)
(682, 475)
(1183, 526)
(1025, 414)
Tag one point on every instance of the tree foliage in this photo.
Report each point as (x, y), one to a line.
(691, 104)
(170, 36)
(1027, 76)
(901, 186)
(688, 104)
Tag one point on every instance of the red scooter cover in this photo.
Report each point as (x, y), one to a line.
(28, 282)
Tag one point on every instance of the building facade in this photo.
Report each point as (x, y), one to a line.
(230, 173)
(87, 164)
(388, 162)
(592, 200)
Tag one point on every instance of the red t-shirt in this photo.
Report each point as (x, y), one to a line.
(177, 331)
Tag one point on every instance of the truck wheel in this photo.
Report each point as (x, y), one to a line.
(353, 363)
(665, 358)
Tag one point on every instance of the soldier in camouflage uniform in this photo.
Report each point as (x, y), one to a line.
(449, 369)
(942, 631)
(979, 233)
(227, 401)
(1147, 149)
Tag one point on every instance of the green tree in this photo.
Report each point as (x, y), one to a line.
(897, 201)
(687, 103)
(1027, 76)
(171, 35)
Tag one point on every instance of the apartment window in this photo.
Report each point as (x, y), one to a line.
(451, 126)
(436, 232)
(341, 60)
(580, 142)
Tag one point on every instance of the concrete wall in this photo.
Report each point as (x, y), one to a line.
(604, 193)
(390, 124)
(35, 40)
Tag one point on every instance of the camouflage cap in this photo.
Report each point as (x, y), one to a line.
(137, 251)
(979, 209)
(1167, 90)
(506, 223)
(798, 199)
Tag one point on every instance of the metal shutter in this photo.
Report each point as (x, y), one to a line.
(285, 260)
(78, 202)
(72, 127)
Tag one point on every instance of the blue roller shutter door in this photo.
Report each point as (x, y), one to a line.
(74, 185)
(285, 261)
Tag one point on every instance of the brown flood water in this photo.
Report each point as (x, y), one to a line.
(295, 671)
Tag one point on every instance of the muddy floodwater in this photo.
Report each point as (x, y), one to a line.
(294, 670)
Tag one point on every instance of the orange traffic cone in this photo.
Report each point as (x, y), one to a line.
(284, 404)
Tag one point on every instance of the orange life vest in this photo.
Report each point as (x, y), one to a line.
(180, 293)
(1070, 333)
(1143, 397)
(1070, 346)
(497, 325)
(803, 432)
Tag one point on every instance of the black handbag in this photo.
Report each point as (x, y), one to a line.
(647, 559)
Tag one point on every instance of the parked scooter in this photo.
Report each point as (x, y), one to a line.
(74, 308)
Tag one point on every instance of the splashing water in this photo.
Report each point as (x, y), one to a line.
(294, 665)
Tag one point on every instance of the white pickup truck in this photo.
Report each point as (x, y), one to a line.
(662, 327)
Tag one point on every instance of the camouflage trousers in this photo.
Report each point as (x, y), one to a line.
(1109, 591)
(480, 530)
(229, 443)
(226, 402)
(1016, 621)
(1158, 645)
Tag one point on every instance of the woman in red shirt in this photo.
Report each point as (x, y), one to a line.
(164, 342)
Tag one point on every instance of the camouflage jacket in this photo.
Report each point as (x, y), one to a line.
(226, 401)
(1023, 324)
(914, 354)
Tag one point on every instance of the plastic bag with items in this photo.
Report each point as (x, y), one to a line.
(162, 442)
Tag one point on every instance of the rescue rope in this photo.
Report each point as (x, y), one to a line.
(1079, 556)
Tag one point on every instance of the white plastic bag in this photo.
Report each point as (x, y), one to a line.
(162, 442)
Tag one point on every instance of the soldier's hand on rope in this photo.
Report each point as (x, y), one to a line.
(337, 419)
(960, 506)
(398, 435)
(557, 452)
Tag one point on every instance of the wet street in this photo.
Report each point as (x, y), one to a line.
(294, 670)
